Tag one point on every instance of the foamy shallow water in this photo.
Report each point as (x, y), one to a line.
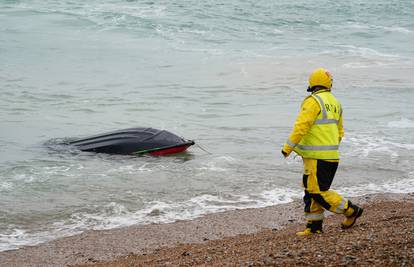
(229, 75)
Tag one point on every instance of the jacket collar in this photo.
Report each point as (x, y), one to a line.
(322, 90)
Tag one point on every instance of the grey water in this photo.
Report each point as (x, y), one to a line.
(231, 75)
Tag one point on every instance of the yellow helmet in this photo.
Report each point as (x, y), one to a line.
(320, 77)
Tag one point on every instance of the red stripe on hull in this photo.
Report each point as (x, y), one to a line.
(169, 151)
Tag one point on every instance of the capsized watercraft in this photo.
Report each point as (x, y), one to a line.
(134, 141)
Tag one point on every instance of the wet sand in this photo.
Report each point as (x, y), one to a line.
(383, 236)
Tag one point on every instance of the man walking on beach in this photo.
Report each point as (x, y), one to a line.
(316, 135)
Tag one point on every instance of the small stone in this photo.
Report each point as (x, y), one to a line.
(350, 258)
(267, 261)
(186, 253)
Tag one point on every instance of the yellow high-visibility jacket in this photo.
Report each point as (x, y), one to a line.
(305, 129)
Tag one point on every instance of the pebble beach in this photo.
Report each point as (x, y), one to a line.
(383, 236)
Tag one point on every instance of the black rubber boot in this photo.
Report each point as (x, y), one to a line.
(352, 213)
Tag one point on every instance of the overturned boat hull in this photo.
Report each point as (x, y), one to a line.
(134, 141)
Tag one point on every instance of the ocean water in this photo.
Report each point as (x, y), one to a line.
(228, 74)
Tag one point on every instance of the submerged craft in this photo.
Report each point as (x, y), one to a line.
(134, 141)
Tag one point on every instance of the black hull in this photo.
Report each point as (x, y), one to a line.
(132, 141)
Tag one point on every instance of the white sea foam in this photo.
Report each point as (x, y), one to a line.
(14, 240)
(402, 186)
(363, 145)
(365, 52)
(23, 174)
(20, 237)
(25, 177)
(398, 29)
(361, 65)
(218, 164)
(211, 166)
(52, 170)
(131, 169)
(6, 186)
(357, 26)
(404, 123)
(368, 27)
(277, 31)
(115, 215)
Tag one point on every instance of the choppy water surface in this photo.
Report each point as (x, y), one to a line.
(229, 75)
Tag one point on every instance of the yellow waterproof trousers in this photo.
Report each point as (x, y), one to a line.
(317, 179)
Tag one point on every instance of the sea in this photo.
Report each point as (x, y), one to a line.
(230, 75)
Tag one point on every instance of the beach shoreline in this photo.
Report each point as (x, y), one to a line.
(133, 242)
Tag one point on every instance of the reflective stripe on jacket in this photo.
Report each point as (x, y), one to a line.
(318, 128)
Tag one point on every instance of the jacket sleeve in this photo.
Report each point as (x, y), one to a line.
(308, 113)
(341, 127)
